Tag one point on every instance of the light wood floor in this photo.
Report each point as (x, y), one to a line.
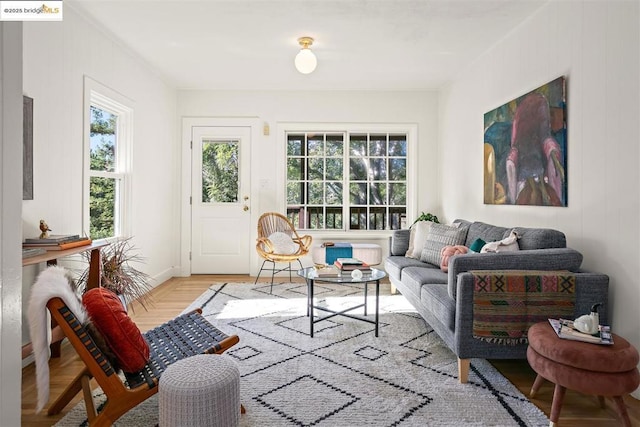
(171, 297)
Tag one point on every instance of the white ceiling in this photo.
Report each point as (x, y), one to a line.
(360, 44)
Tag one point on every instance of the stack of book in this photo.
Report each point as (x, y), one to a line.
(327, 271)
(564, 329)
(350, 264)
(56, 242)
(31, 252)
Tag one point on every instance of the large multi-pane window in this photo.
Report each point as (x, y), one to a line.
(346, 180)
(108, 164)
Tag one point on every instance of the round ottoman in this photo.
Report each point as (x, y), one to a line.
(202, 390)
(602, 370)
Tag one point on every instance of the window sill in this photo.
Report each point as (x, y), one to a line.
(346, 236)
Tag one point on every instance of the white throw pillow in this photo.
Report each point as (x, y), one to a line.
(417, 238)
(282, 243)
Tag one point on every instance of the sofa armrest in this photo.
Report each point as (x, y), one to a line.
(536, 259)
(399, 242)
(591, 288)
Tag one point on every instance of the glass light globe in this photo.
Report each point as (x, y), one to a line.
(306, 61)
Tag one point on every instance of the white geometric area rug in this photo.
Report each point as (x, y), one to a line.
(344, 375)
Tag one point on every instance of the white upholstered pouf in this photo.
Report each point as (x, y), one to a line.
(202, 390)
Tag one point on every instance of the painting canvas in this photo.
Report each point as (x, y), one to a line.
(525, 149)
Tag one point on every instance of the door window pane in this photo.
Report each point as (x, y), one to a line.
(220, 171)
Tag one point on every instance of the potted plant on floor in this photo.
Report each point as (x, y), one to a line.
(119, 276)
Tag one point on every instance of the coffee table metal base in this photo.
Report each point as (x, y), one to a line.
(311, 307)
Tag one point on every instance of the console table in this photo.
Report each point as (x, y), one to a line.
(93, 281)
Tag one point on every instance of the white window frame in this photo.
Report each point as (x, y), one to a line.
(99, 95)
(410, 129)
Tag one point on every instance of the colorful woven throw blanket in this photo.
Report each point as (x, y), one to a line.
(506, 303)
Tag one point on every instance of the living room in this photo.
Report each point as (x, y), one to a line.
(593, 44)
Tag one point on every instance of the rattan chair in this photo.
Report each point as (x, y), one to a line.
(186, 335)
(272, 222)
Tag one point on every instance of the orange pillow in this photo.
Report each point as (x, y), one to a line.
(118, 330)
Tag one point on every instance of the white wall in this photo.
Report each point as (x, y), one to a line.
(10, 208)
(274, 107)
(57, 56)
(595, 44)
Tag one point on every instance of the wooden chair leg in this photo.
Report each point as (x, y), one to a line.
(88, 399)
(69, 393)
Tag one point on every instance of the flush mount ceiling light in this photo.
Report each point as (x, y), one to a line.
(305, 59)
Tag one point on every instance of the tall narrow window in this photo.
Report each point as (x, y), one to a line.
(108, 167)
(346, 180)
(104, 185)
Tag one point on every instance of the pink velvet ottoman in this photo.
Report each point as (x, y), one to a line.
(601, 370)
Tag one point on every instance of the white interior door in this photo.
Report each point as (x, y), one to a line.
(220, 205)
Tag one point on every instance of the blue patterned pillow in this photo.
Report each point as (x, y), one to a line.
(439, 236)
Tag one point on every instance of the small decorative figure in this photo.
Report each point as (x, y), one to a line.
(45, 229)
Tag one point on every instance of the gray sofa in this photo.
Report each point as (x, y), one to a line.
(445, 300)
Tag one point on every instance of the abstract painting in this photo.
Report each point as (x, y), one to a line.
(525, 149)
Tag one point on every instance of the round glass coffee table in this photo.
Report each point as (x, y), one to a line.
(311, 276)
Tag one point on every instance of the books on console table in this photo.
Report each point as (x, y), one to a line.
(52, 239)
(67, 244)
(565, 330)
(31, 252)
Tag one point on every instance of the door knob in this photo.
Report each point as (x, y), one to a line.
(245, 208)
(245, 198)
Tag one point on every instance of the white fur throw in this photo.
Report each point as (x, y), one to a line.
(508, 244)
(52, 282)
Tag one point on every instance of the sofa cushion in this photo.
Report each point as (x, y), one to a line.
(439, 236)
(394, 265)
(486, 232)
(414, 277)
(539, 238)
(436, 299)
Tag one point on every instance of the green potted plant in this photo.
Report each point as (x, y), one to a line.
(426, 217)
(119, 276)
